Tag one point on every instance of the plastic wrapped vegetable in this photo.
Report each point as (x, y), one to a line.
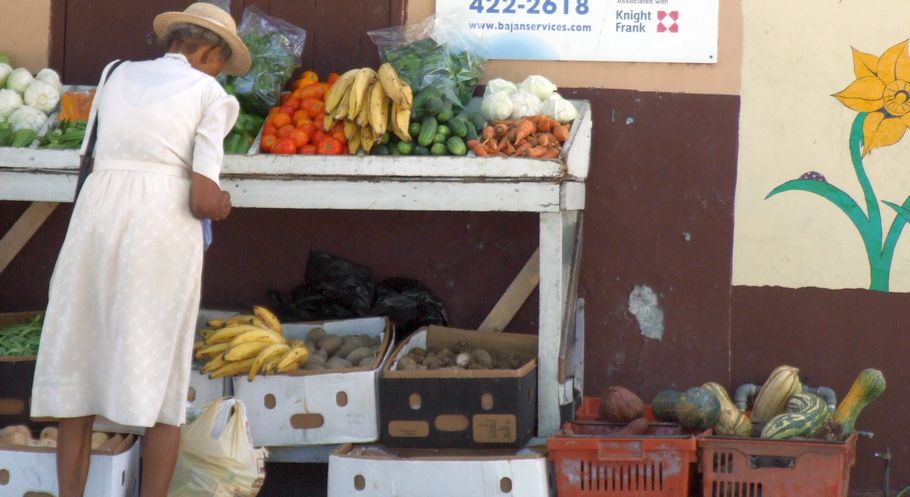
(19, 80)
(525, 104)
(559, 108)
(42, 96)
(50, 77)
(275, 46)
(539, 86)
(27, 117)
(496, 106)
(5, 71)
(9, 102)
(500, 85)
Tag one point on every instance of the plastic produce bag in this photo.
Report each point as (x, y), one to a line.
(217, 457)
(436, 54)
(275, 46)
(409, 305)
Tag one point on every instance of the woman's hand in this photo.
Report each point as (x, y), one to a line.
(207, 200)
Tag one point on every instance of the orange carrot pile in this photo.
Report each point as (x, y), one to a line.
(537, 137)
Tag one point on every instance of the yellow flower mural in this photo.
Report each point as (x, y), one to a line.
(881, 97)
(882, 88)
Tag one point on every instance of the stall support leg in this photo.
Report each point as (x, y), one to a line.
(23, 230)
(556, 233)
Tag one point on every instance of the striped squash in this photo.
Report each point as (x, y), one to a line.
(774, 394)
(731, 422)
(806, 414)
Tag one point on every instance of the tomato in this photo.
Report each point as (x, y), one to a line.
(333, 77)
(313, 91)
(310, 75)
(307, 149)
(298, 115)
(306, 126)
(339, 135)
(269, 129)
(284, 146)
(316, 109)
(300, 138)
(268, 143)
(326, 87)
(319, 121)
(339, 126)
(280, 119)
(330, 146)
(287, 109)
(318, 136)
(285, 131)
(284, 97)
(292, 102)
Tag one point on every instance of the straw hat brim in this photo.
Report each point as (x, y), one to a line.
(240, 60)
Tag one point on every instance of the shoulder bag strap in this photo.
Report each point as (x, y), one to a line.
(85, 163)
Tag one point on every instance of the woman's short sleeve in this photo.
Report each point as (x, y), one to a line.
(218, 117)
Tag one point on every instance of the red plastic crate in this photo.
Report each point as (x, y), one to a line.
(748, 467)
(590, 460)
(589, 410)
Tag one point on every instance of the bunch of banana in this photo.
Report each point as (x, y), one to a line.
(248, 344)
(370, 104)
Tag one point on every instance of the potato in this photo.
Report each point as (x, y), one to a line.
(311, 366)
(315, 335)
(337, 363)
(351, 344)
(330, 344)
(445, 353)
(463, 359)
(446, 361)
(310, 347)
(323, 354)
(357, 355)
(433, 363)
(483, 358)
(366, 362)
(49, 432)
(407, 363)
(47, 442)
(316, 359)
(15, 435)
(417, 353)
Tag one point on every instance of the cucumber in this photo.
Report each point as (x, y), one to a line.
(386, 137)
(380, 150)
(478, 121)
(427, 131)
(439, 138)
(446, 113)
(439, 149)
(456, 146)
(414, 128)
(405, 148)
(459, 126)
(393, 149)
(443, 130)
(421, 150)
(471, 133)
(434, 105)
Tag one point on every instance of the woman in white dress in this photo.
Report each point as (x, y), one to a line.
(124, 296)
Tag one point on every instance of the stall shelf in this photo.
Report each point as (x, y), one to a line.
(554, 189)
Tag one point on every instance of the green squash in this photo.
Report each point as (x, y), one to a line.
(806, 414)
(698, 409)
(866, 388)
(664, 406)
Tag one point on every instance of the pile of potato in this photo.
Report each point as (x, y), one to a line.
(340, 352)
(461, 356)
(21, 435)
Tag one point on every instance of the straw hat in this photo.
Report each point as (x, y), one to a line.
(214, 18)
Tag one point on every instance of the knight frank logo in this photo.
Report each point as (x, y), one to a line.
(667, 21)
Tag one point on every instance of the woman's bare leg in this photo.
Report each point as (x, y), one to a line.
(159, 456)
(74, 451)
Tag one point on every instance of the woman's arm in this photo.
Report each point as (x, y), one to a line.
(207, 200)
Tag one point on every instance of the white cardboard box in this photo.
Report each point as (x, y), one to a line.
(318, 407)
(33, 471)
(376, 471)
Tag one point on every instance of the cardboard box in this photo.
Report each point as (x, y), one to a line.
(460, 408)
(322, 406)
(16, 376)
(113, 471)
(378, 471)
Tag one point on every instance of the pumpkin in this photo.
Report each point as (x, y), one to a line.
(772, 399)
(866, 388)
(664, 406)
(698, 409)
(731, 422)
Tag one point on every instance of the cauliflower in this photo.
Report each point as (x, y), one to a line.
(42, 96)
(496, 106)
(5, 71)
(50, 77)
(538, 86)
(27, 117)
(559, 108)
(19, 80)
(500, 85)
(525, 104)
(9, 101)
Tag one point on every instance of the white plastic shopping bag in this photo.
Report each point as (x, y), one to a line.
(217, 457)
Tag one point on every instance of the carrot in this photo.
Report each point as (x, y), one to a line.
(501, 128)
(488, 132)
(546, 139)
(561, 132)
(511, 135)
(550, 154)
(522, 150)
(537, 152)
(524, 128)
(481, 152)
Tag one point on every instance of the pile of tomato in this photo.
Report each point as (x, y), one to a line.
(295, 126)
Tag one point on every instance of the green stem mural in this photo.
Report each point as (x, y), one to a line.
(868, 223)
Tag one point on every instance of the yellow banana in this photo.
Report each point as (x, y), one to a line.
(267, 353)
(244, 351)
(297, 343)
(199, 344)
(240, 319)
(338, 90)
(211, 351)
(367, 140)
(232, 368)
(269, 366)
(257, 335)
(328, 123)
(400, 121)
(205, 332)
(354, 142)
(268, 317)
(378, 110)
(407, 96)
(341, 112)
(360, 89)
(390, 83)
(350, 129)
(292, 359)
(214, 364)
(363, 117)
(215, 323)
(228, 333)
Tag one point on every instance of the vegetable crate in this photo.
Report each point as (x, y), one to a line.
(589, 458)
(775, 468)
(16, 374)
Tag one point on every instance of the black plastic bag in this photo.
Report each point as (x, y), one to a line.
(409, 305)
(341, 280)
